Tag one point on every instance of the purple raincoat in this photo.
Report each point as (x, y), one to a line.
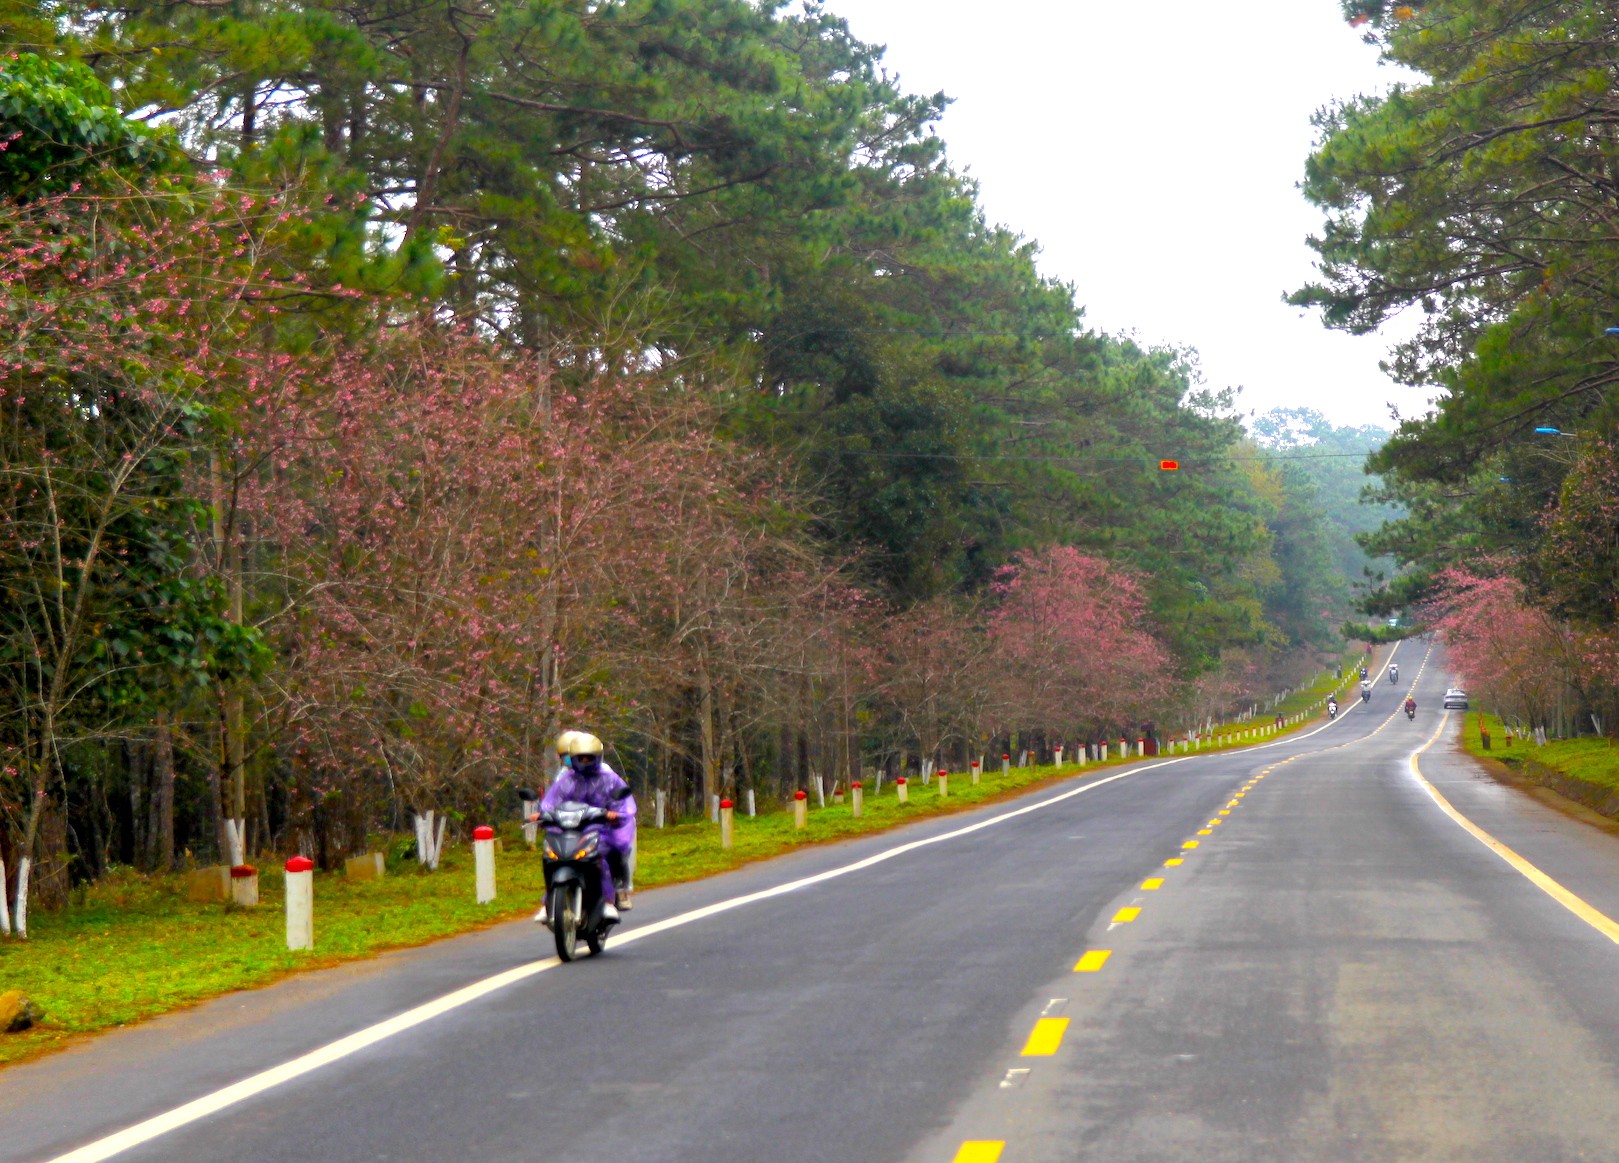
(597, 792)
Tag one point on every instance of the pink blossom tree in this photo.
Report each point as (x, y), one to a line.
(1074, 647)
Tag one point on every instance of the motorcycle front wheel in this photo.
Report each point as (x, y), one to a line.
(564, 906)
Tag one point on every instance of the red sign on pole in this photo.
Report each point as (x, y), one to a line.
(1169, 465)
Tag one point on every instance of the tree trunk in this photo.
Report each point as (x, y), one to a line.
(139, 804)
(161, 830)
(710, 745)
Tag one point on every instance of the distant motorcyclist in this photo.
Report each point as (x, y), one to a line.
(1363, 674)
(1332, 708)
(1394, 673)
(588, 780)
(1365, 692)
(1410, 707)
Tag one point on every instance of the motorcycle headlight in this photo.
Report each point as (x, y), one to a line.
(588, 846)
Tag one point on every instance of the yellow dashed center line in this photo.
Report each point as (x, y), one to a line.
(1045, 1038)
(979, 1151)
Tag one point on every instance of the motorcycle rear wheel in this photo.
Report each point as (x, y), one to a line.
(565, 921)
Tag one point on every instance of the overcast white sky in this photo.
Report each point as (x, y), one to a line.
(1153, 150)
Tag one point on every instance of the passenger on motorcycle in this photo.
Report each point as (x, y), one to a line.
(1332, 708)
(1410, 705)
(588, 780)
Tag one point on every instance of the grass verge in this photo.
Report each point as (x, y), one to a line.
(1586, 770)
(131, 947)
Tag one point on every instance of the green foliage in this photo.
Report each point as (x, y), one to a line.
(1478, 198)
(60, 125)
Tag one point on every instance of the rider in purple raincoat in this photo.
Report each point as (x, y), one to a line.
(587, 780)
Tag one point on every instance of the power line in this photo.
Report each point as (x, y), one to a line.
(884, 454)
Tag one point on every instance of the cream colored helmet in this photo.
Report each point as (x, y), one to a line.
(584, 743)
(565, 742)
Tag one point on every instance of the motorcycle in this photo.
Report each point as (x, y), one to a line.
(1332, 711)
(1394, 675)
(573, 876)
(1365, 692)
(1411, 714)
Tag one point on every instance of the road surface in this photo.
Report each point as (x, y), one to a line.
(1320, 949)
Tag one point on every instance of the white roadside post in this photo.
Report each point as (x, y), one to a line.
(975, 766)
(657, 809)
(1006, 763)
(725, 823)
(801, 808)
(483, 862)
(300, 903)
(714, 809)
(857, 798)
(904, 790)
(1057, 758)
(751, 812)
(944, 784)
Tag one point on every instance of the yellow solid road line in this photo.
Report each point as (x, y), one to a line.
(1045, 1038)
(1152, 882)
(979, 1151)
(1124, 916)
(1599, 921)
(1093, 960)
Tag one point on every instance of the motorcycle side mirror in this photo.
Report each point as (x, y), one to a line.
(527, 794)
(622, 793)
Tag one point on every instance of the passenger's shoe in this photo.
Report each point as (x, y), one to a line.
(624, 901)
(540, 918)
(609, 913)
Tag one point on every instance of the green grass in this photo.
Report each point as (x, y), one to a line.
(131, 947)
(1591, 760)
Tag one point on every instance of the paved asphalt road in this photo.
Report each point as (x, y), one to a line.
(1337, 971)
